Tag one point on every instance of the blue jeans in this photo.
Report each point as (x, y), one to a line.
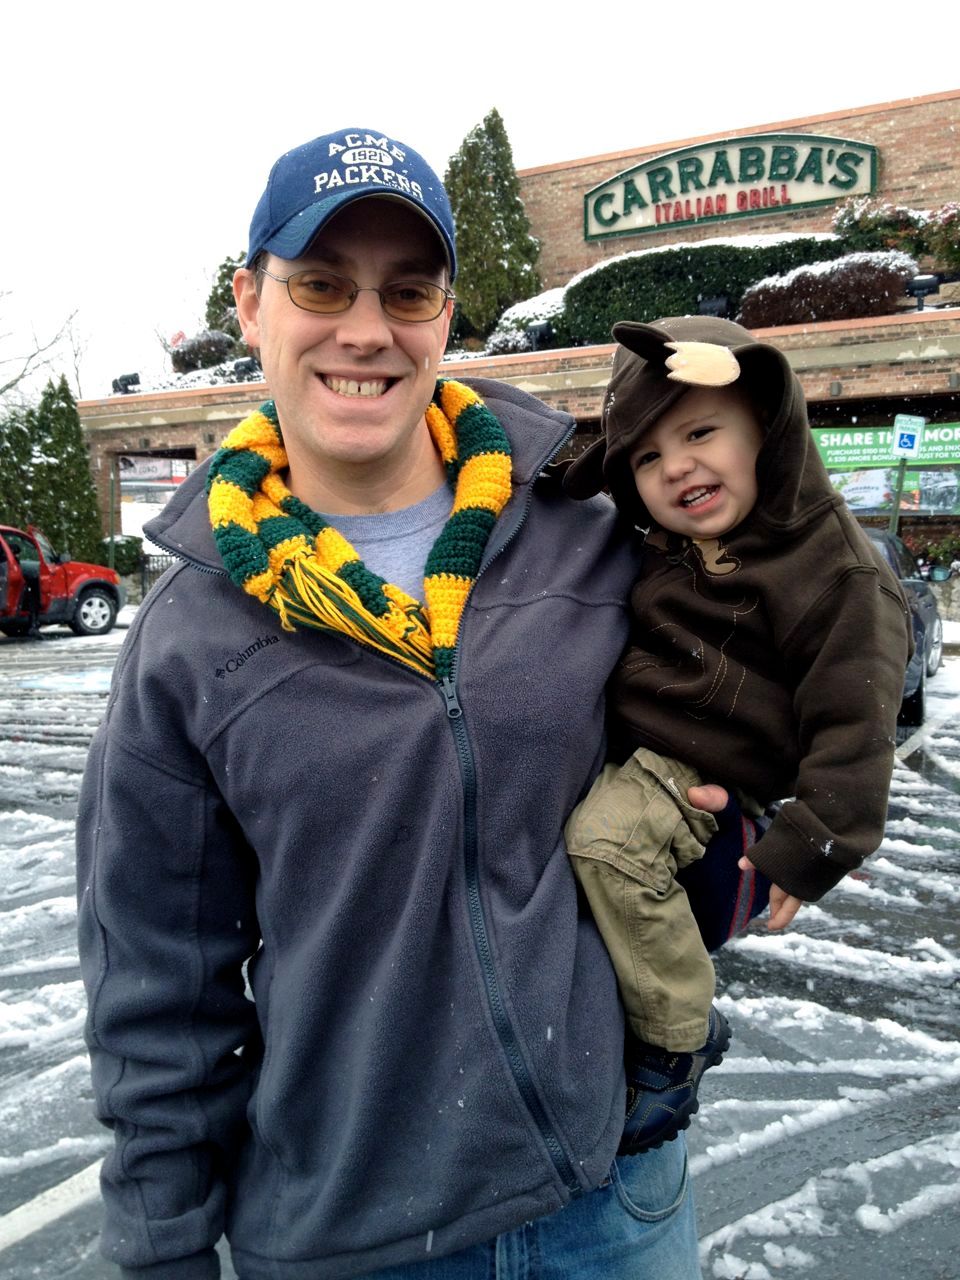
(639, 1225)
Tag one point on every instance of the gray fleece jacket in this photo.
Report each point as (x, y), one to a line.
(429, 1049)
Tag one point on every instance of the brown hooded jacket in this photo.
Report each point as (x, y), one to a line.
(772, 659)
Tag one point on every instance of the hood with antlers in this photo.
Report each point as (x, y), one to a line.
(655, 364)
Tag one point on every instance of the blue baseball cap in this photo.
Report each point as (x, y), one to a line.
(308, 185)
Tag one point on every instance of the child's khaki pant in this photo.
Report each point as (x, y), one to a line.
(626, 840)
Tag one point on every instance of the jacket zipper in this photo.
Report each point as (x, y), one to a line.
(481, 937)
(185, 558)
(478, 923)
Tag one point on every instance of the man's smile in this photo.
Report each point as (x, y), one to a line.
(354, 387)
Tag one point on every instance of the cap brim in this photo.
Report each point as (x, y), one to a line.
(294, 237)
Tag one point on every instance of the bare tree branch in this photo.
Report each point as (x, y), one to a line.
(33, 360)
(78, 349)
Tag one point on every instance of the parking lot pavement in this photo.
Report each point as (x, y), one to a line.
(828, 1141)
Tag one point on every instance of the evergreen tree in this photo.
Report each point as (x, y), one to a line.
(221, 313)
(63, 500)
(16, 449)
(497, 254)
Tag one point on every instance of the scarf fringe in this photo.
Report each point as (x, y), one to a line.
(310, 596)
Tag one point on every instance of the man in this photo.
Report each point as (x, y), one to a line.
(30, 594)
(342, 740)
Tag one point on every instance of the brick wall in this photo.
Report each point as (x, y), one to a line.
(848, 368)
(189, 423)
(918, 140)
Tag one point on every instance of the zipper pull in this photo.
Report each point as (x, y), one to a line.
(449, 689)
(678, 554)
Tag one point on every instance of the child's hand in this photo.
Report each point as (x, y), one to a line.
(783, 906)
(708, 796)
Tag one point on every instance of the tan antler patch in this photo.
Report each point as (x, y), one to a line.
(716, 559)
(703, 364)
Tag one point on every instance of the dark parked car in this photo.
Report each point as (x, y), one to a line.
(927, 627)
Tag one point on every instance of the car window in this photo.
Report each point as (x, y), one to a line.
(48, 552)
(23, 548)
(906, 563)
(886, 552)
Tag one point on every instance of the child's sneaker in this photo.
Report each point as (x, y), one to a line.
(662, 1087)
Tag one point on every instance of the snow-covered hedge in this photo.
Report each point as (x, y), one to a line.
(231, 371)
(859, 284)
(202, 351)
(674, 280)
(512, 333)
(867, 224)
(943, 235)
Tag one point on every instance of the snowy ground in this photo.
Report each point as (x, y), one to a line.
(827, 1144)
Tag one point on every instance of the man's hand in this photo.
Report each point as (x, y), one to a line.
(783, 906)
(708, 797)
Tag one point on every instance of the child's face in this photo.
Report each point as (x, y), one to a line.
(695, 467)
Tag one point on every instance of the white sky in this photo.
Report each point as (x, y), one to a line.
(136, 139)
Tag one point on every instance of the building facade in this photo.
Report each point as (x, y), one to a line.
(786, 176)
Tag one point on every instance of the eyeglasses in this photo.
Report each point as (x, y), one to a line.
(327, 294)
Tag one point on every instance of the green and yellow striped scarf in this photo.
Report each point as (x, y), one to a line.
(279, 550)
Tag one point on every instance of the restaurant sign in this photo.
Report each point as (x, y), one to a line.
(734, 178)
(141, 468)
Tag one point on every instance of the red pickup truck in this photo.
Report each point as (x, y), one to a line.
(38, 587)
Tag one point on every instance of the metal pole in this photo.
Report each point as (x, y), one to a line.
(895, 513)
(113, 487)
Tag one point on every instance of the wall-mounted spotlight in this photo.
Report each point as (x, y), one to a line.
(921, 287)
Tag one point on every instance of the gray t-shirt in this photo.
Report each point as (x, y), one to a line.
(395, 544)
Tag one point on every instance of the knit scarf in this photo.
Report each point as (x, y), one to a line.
(277, 549)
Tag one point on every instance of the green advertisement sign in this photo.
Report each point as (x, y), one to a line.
(864, 469)
(849, 448)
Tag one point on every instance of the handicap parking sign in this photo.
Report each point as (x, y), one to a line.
(907, 435)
